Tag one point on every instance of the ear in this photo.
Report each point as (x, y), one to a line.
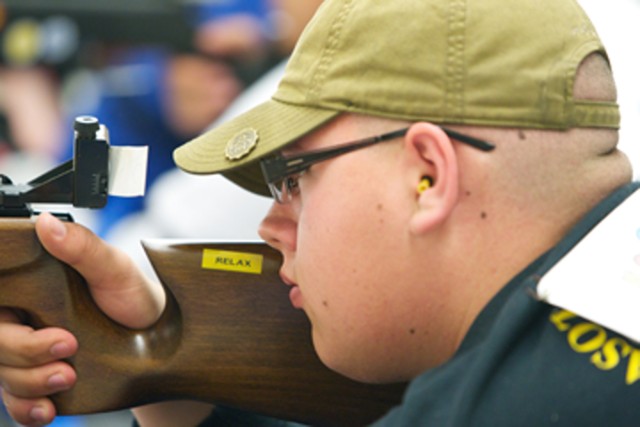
(430, 153)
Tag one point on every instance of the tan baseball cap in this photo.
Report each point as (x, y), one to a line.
(480, 62)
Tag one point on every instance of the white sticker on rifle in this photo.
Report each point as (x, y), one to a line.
(127, 171)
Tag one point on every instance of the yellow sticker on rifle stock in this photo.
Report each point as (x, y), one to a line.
(241, 262)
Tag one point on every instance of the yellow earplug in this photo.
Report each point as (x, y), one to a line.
(425, 184)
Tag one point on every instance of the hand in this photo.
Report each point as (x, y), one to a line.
(31, 366)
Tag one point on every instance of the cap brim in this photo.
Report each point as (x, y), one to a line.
(276, 124)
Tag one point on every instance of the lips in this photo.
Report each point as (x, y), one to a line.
(295, 295)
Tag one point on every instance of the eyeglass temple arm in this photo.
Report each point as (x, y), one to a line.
(469, 140)
(281, 166)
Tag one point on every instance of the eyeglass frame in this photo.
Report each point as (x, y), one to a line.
(281, 172)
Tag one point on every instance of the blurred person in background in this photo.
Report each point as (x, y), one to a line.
(146, 93)
(174, 206)
(32, 115)
(153, 96)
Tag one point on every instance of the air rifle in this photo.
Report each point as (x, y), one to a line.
(228, 334)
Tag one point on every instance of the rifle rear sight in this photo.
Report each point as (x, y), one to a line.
(81, 181)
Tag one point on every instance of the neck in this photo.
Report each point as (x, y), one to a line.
(495, 237)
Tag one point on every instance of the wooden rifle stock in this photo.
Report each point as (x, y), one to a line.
(225, 337)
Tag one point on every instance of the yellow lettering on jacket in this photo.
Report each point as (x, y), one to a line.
(586, 337)
(633, 369)
(609, 356)
(560, 317)
(589, 338)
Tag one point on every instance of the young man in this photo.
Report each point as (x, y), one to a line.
(424, 185)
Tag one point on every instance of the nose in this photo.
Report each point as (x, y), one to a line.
(279, 227)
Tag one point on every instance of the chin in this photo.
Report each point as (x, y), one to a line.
(369, 375)
(360, 366)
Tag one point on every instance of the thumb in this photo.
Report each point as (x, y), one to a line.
(116, 284)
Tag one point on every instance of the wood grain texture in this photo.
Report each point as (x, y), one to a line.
(225, 337)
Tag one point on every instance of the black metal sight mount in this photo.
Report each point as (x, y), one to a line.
(82, 181)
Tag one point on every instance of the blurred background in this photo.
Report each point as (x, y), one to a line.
(618, 23)
(158, 72)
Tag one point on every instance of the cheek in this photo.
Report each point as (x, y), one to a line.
(349, 234)
(345, 265)
(345, 248)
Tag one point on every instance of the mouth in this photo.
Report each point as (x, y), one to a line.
(295, 295)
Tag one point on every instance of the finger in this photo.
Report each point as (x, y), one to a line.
(115, 283)
(29, 412)
(36, 382)
(80, 248)
(21, 346)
